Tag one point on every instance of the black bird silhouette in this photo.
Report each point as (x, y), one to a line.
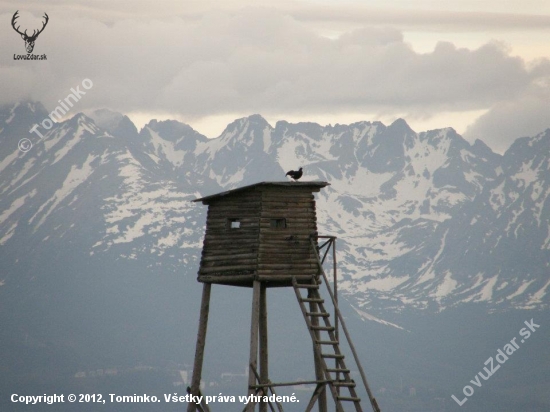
(295, 175)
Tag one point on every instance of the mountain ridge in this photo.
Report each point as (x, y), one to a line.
(443, 252)
(397, 197)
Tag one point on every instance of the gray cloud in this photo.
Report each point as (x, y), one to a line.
(444, 20)
(256, 60)
(443, 15)
(507, 121)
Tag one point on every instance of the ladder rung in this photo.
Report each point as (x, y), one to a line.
(306, 286)
(320, 314)
(348, 384)
(348, 398)
(314, 300)
(327, 328)
(332, 356)
(327, 342)
(337, 370)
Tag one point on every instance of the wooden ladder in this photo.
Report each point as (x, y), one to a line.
(326, 346)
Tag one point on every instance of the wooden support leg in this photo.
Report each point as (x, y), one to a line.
(264, 373)
(316, 393)
(201, 340)
(254, 326)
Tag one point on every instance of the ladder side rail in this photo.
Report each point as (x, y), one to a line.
(332, 336)
(346, 333)
(340, 364)
(339, 357)
(319, 372)
(316, 345)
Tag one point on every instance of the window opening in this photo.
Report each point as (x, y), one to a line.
(233, 223)
(278, 223)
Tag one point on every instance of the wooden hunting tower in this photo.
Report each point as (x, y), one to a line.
(265, 235)
(260, 232)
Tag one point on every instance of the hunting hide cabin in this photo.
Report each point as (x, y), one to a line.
(260, 232)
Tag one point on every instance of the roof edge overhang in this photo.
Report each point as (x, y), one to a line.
(314, 184)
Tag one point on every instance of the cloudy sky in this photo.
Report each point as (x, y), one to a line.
(479, 66)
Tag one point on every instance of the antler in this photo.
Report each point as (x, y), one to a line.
(43, 25)
(15, 16)
(34, 33)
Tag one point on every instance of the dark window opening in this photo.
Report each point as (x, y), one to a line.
(278, 223)
(233, 223)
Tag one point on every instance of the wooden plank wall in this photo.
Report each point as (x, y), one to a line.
(256, 249)
(234, 251)
(286, 252)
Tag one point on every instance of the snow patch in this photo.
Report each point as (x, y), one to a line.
(538, 295)
(368, 316)
(446, 287)
(386, 283)
(486, 293)
(67, 146)
(526, 175)
(429, 272)
(16, 204)
(166, 149)
(75, 177)
(8, 159)
(520, 290)
(9, 233)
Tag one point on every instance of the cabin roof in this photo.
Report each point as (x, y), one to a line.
(312, 184)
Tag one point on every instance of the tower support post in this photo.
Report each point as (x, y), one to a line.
(254, 329)
(201, 341)
(264, 369)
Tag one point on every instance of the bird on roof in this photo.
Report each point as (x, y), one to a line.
(295, 174)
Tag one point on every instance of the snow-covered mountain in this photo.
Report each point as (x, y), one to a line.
(437, 237)
(423, 219)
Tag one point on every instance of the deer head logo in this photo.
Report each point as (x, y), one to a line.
(29, 40)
